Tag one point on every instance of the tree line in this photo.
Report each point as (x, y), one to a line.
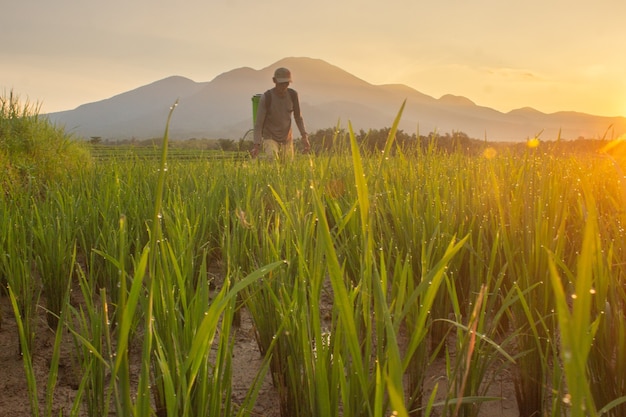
(374, 140)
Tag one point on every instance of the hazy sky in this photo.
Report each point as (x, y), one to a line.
(548, 54)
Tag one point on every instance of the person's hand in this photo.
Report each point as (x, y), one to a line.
(307, 144)
(256, 148)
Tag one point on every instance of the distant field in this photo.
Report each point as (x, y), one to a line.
(105, 152)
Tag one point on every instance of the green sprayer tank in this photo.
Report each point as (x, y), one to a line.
(255, 106)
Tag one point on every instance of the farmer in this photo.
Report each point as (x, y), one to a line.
(272, 129)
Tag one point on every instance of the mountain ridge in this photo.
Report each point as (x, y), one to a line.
(222, 108)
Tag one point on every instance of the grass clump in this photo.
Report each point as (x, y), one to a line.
(33, 151)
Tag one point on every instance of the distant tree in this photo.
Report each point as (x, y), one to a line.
(375, 140)
(244, 145)
(327, 139)
(227, 144)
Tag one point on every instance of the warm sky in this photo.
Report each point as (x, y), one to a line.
(547, 54)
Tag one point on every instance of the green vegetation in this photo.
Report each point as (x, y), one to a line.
(360, 268)
(34, 152)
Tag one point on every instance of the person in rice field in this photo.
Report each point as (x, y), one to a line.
(273, 134)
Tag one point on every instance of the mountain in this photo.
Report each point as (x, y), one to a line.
(222, 108)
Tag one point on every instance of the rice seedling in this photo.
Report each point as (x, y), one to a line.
(591, 323)
(528, 228)
(92, 323)
(578, 327)
(16, 263)
(481, 351)
(53, 240)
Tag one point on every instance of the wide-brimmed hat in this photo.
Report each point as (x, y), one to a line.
(282, 75)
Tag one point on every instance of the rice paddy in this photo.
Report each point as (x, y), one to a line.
(359, 271)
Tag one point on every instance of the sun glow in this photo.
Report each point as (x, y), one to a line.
(616, 147)
(533, 143)
(615, 150)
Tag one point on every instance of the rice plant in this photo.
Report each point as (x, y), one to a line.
(16, 267)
